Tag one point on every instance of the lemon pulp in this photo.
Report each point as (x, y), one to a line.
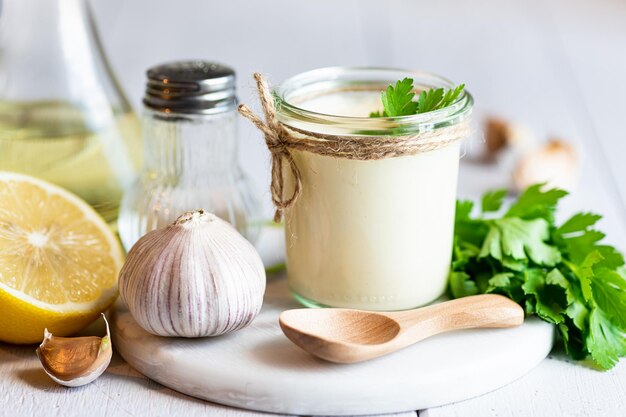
(58, 260)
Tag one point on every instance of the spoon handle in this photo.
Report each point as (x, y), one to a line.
(486, 310)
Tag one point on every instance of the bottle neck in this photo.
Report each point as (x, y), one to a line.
(38, 38)
(56, 44)
(50, 18)
(190, 149)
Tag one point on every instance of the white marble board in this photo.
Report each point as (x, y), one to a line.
(259, 369)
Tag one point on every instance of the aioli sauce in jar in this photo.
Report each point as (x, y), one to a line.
(370, 234)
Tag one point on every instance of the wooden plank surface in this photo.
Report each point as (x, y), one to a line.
(556, 388)
(557, 66)
(25, 390)
(121, 391)
(593, 41)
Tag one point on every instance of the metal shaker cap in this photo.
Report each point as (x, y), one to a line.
(191, 87)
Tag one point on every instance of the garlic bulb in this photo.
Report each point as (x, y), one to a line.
(75, 361)
(555, 163)
(196, 277)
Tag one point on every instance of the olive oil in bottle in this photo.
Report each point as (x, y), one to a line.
(54, 141)
(63, 116)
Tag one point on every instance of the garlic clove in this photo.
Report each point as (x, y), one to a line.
(501, 134)
(75, 361)
(496, 135)
(555, 163)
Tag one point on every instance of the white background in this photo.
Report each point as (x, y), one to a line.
(556, 66)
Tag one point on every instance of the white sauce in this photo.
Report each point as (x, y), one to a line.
(371, 235)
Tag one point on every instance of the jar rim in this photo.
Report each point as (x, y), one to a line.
(335, 79)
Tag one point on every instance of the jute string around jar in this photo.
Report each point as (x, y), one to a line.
(281, 138)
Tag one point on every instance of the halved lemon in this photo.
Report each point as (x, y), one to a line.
(59, 260)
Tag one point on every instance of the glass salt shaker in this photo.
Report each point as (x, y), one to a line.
(190, 152)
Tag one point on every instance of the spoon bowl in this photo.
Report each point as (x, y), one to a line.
(341, 325)
(346, 335)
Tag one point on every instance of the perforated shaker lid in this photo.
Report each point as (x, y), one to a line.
(191, 87)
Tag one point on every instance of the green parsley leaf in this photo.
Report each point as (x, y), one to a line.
(578, 313)
(492, 245)
(576, 238)
(463, 210)
(467, 229)
(578, 247)
(398, 100)
(429, 100)
(550, 300)
(508, 284)
(451, 95)
(464, 252)
(609, 293)
(520, 240)
(492, 201)
(612, 258)
(578, 223)
(555, 277)
(604, 341)
(461, 285)
(514, 264)
(563, 274)
(534, 203)
(584, 271)
(502, 280)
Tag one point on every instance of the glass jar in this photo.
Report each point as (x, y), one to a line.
(190, 156)
(368, 234)
(63, 116)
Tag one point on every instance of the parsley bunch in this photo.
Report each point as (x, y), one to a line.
(398, 100)
(563, 274)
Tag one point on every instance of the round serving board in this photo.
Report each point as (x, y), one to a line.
(258, 368)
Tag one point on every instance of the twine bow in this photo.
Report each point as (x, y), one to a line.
(274, 138)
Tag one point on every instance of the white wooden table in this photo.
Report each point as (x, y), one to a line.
(557, 66)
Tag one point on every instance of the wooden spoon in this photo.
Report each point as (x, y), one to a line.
(346, 336)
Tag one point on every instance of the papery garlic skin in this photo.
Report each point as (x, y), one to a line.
(196, 277)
